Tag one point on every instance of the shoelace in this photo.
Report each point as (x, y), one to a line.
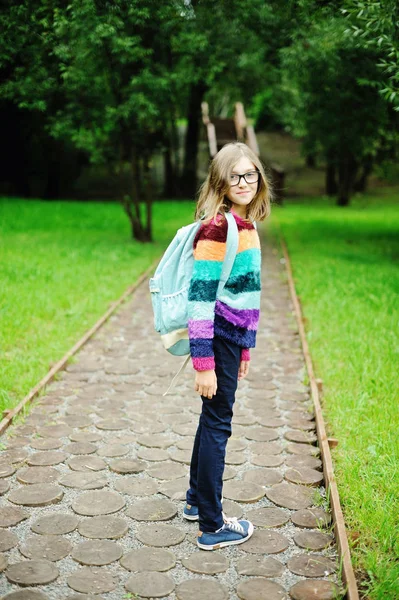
(233, 524)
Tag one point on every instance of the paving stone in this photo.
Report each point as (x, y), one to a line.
(154, 509)
(17, 455)
(304, 476)
(207, 563)
(245, 420)
(302, 424)
(6, 470)
(148, 559)
(268, 517)
(8, 540)
(103, 527)
(156, 440)
(236, 444)
(126, 438)
(122, 367)
(261, 434)
(263, 477)
(243, 491)
(266, 542)
(313, 540)
(97, 553)
(260, 566)
(85, 436)
(300, 437)
(311, 565)
(113, 450)
(181, 456)
(28, 594)
(266, 448)
(47, 459)
(136, 487)
(86, 463)
(92, 581)
(186, 444)
(229, 473)
(154, 585)
(274, 422)
(311, 518)
(147, 428)
(98, 503)
(45, 444)
(235, 458)
(153, 454)
(32, 572)
(306, 449)
(37, 494)
(84, 480)
(201, 589)
(79, 421)
(315, 590)
(55, 431)
(55, 524)
(167, 471)
(4, 486)
(80, 448)
(113, 424)
(127, 465)
(160, 535)
(50, 548)
(259, 589)
(267, 460)
(290, 495)
(3, 562)
(298, 461)
(232, 509)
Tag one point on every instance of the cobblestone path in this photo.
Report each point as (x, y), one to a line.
(93, 480)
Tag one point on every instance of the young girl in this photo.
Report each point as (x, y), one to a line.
(222, 329)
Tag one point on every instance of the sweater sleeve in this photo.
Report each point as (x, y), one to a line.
(209, 253)
(245, 354)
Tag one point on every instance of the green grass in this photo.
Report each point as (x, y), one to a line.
(345, 265)
(61, 265)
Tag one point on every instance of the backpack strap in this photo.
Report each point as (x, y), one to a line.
(231, 250)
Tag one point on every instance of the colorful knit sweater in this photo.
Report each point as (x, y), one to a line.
(234, 315)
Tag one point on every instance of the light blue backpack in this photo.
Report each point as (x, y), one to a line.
(170, 285)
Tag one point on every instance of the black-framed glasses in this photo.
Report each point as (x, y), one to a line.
(250, 177)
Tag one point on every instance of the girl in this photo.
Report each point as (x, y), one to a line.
(223, 329)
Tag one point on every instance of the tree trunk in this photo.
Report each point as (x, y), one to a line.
(361, 182)
(331, 183)
(311, 160)
(131, 203)
(188, 181)
(347, 170)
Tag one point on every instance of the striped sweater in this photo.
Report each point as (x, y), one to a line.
(234, 315)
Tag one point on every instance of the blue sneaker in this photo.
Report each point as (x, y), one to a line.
(232, 532)
(190, 512)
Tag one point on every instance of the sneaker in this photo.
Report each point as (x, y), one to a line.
(232, 532)
(191, 512)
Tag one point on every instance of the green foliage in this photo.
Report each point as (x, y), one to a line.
(375, 24)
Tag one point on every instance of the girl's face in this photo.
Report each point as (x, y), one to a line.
(242, 194)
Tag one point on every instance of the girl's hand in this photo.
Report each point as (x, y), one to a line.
(243, 370)
(206, 383)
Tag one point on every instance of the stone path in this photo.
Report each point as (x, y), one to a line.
(93, 481)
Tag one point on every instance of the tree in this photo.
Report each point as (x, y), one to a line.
(330, 104)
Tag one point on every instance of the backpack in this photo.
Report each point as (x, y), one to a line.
(171, 281)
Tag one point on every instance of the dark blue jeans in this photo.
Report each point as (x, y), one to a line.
(214, 429)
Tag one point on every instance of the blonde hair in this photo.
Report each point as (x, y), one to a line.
(212, 198)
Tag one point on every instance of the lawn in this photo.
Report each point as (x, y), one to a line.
(345, 265)
(61, 265)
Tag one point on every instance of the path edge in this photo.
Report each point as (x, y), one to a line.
(9, 415)
(348, 574)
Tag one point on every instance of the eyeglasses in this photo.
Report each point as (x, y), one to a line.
(250, 177)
